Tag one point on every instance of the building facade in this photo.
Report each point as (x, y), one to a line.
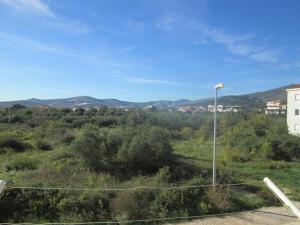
(222, 108)
(293, 107)
(275, 107)
(191, 109)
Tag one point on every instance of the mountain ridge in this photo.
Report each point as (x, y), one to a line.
(256, 99)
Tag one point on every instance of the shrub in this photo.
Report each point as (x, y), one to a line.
(218, 198)
(15, 119)
(13, 143)
(132, 205)
(92, 145)
(283, 147)
(85, 207)
(43, 145)
(106, 121)
(186, 133)
(22, 164)
(67, 137)
(147, 151)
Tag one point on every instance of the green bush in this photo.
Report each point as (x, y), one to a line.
(85, 206)
(147, 151)
(260, 137)
(132, 205)
(67, 137)
(22, 164)
(93, 146)
(186, 133)
(43, 145)
(13, 143)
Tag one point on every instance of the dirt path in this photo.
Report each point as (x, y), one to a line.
(263, 216)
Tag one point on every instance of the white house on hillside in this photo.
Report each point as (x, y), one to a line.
(275, 107)
(293, 107)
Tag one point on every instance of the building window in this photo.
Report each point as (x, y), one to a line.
(296, 127)
(297, 97)
(296, 112)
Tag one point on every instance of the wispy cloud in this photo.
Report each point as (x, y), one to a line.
(265, 56)
(152, 81)
(291, 65)
(108, 60)
(27, 43)
(48, 18)
(239, 44)
(71, 26)
(242, 45)
(129, 48)
(166, 22)
(29, 6)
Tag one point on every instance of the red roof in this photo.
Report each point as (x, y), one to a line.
(295, 86)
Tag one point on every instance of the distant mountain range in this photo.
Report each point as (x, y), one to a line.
(257, 99)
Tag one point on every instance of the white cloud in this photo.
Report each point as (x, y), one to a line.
(102, 58)
(150, 81)
(27, 43)
(239, 44)
(265, 56)
(50, 19)
(29, 6)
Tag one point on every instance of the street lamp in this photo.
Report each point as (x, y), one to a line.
(217, 87)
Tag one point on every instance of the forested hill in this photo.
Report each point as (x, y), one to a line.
(257, 99)
(273, 94)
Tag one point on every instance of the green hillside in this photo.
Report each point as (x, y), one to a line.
(270, 95)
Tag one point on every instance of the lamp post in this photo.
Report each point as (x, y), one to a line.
(217, 87)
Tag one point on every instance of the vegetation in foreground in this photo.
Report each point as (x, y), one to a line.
(113, 148)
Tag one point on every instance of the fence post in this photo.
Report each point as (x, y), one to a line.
(281, 196)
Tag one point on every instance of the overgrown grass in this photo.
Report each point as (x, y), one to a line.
(284, 174)
(52, 162)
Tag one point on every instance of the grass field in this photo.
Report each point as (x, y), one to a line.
(285, 174)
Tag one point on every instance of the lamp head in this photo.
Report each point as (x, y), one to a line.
(219, 86)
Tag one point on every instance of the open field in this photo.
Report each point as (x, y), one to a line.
(284, 174)
(120, 150)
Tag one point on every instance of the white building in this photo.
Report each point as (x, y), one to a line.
(191, 109)
(211, 108)
(221, 108)
(275, 107)
(149, 108)
(293, 107)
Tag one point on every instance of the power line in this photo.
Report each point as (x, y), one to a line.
(137, 221)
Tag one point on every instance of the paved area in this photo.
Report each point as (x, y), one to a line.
(263, 216)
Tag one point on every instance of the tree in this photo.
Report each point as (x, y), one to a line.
(147, 151)
(93, 146)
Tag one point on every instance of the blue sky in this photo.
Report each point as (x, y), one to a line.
(141, 50)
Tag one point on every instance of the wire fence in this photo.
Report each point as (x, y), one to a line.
(134, 189)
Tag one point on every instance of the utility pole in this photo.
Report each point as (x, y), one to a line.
(217, 87)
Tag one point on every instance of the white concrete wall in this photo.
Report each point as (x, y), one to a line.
(293, 103)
